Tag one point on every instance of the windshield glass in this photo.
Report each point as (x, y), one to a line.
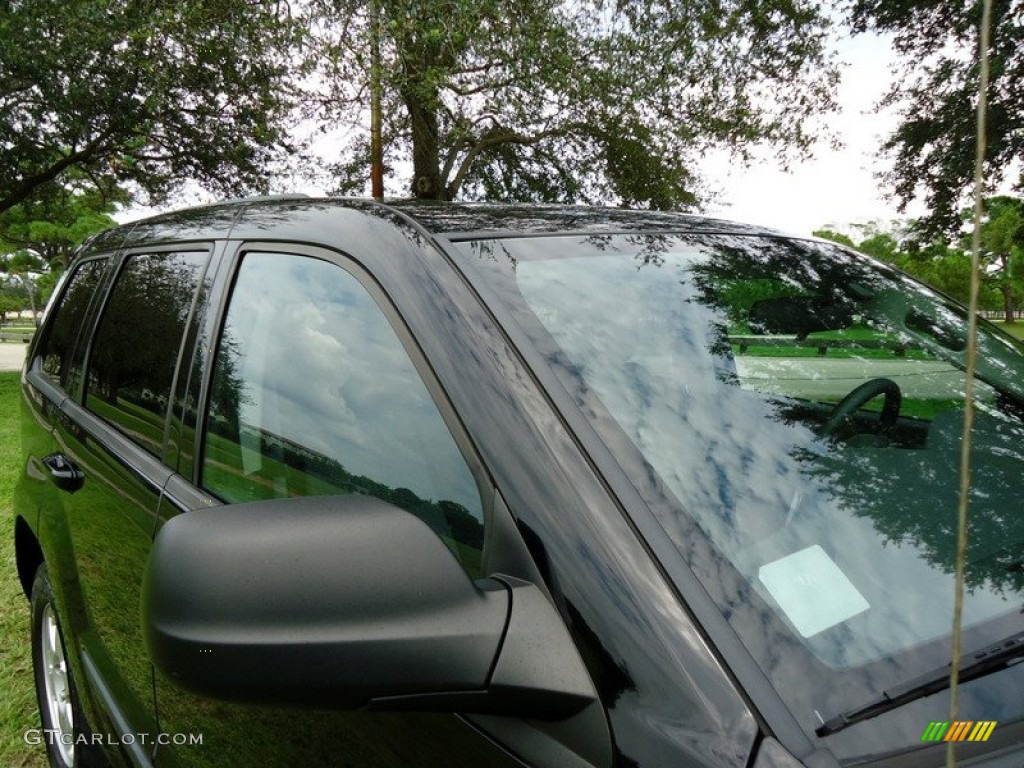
(795, 411)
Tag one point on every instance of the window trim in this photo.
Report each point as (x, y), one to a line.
(185, 380)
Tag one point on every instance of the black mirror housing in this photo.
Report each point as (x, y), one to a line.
(348, 602)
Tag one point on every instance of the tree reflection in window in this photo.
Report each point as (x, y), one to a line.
(133, 358)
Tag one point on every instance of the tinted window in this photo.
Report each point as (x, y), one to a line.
(67, 320)
(132, 363)
(314, 394)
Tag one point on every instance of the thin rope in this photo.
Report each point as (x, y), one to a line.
(972, 355)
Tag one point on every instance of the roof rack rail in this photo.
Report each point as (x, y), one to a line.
(261, 198)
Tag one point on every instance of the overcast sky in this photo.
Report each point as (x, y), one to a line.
(835, 187)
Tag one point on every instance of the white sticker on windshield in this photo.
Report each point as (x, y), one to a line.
(812, 591)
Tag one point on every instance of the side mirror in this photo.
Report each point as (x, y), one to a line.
(349, 602)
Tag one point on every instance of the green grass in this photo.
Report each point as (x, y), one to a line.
(18, 710)
(1014, 329)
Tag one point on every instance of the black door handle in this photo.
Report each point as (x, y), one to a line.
(65, 474)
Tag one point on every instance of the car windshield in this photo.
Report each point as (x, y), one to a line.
(792, 413)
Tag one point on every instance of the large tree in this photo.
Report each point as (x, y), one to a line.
(143, 92)
(933, 146)
(54, 224)
(551, 100)
(1002, 250)
(23, 267)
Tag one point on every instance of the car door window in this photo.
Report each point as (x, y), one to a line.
(68, 319)
(313, 393)
(133, 359)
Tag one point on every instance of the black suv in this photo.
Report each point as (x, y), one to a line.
(325, 482)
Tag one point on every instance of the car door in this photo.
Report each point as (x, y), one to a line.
(312, 387)
(111, 431)
(53, 368)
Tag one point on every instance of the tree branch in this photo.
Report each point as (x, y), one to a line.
(494, 137)
(449, 162)
(25, 188)
(490, 86)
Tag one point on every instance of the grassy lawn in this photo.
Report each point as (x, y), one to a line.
(1015, 329)
(18, 710)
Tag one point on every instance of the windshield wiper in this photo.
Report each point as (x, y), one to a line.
(972, 666)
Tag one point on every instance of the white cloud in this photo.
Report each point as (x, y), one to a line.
(835, 187)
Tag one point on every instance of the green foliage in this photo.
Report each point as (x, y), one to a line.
(10, 303)
(882, 246)
(54, 224)
(933, 146)
(946, 268)
(45, 285)
(590, 101)
(146, 93)
(835, 237)
(1002, 250)
(22, 268)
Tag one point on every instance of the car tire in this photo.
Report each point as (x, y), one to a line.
(66, 732)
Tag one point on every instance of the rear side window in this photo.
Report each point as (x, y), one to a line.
(68, 317)
(314, 394)
(135, 352)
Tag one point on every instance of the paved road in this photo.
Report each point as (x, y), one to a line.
(12, 355)
(817, 378)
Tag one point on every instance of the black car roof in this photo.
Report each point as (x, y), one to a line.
(458, 220)
(453, 220)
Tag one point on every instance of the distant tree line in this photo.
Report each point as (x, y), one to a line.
(946, 265)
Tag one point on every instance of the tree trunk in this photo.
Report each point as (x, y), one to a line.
(30, 290)
(422, 102)
(1006, 287)
(1008, 308)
